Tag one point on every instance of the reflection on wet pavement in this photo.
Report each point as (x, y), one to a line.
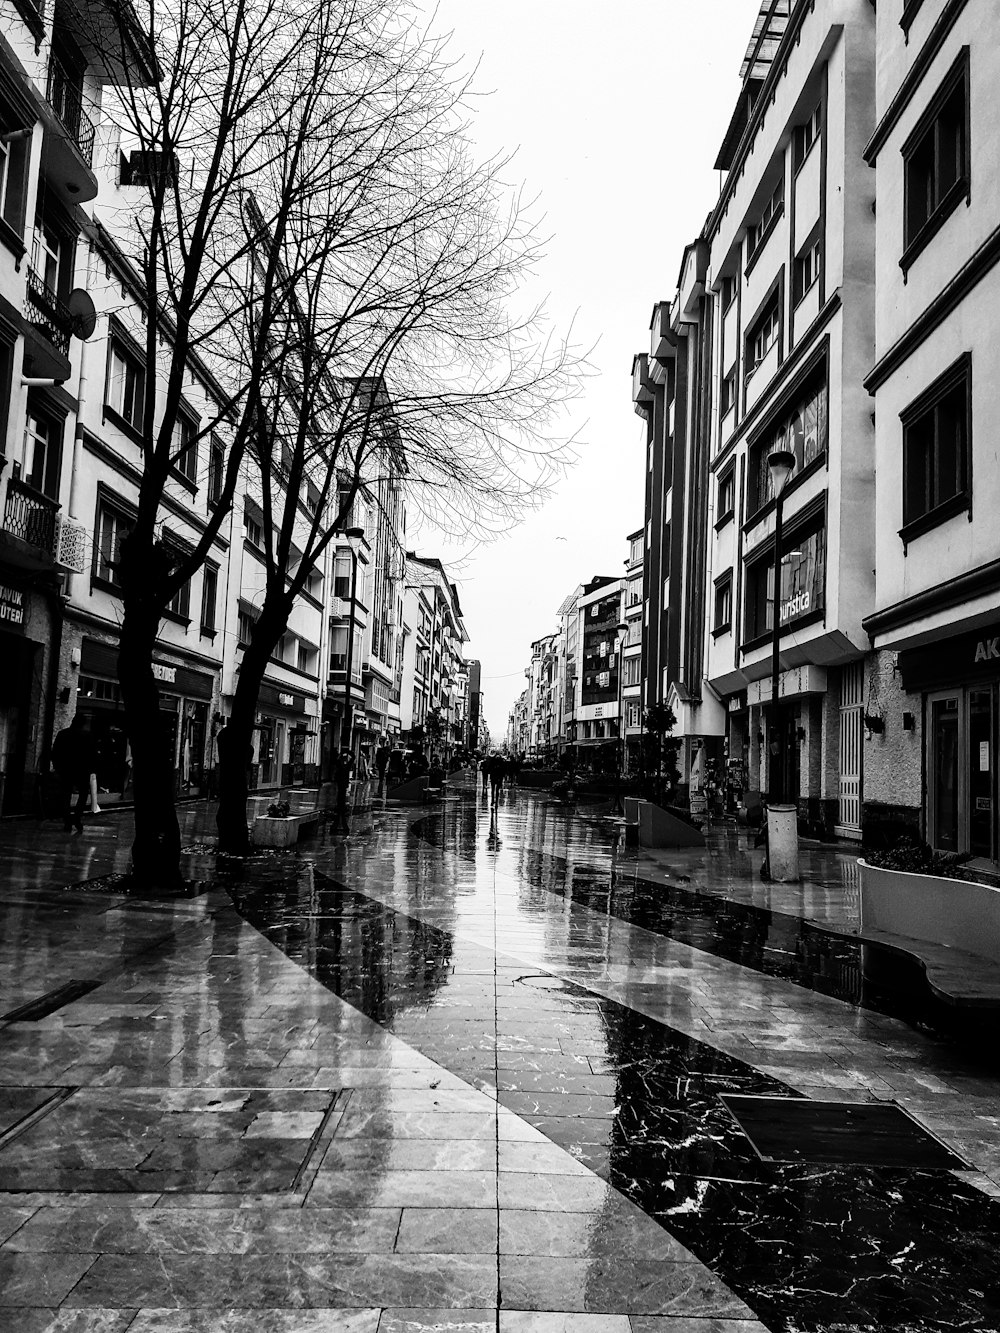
(637, 1102)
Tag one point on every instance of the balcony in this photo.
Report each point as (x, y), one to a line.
(66, 100)
(67, 163)
(30, 526)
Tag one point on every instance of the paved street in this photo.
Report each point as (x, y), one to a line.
(466, 1070)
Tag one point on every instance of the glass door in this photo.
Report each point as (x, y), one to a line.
(944, 772)
(982, 772)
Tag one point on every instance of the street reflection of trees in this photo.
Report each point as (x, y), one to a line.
(380, 960)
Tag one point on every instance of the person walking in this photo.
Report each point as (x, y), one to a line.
(498, 770)
(342, 771)
(381, 764)
(74, 758)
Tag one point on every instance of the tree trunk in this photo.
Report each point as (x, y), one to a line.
(236, 738)
(156, 849)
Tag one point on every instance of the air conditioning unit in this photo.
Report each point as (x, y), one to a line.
(72, 545)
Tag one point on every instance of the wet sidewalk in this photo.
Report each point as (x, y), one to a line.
(468, 1069)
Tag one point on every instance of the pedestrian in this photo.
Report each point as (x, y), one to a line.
(342, 771)
(381, 764)
(74, 759)
(498, 771)
(484, 766)
(397, 765)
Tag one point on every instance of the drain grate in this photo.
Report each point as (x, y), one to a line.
(49, 1002)
(783, 1129)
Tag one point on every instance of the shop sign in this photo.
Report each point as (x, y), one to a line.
(988, 650)
(167, 674)
(287, 699)
(737, 702)
(11, 605)
(951, 661)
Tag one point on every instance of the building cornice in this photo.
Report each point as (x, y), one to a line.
(915, 75)
(947, 300)
(943, 596)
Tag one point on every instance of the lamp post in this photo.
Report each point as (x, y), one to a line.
(782, 826)
(353, 535)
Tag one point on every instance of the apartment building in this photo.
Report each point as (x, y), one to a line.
(932, 697)
(631, 654)
(790, 266)
(544, 696)
(596, 715)
(517, 725)
(51, 81)
(434, 635)
(569, 680)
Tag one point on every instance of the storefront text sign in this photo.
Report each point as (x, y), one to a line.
(167, 674)
(988, 650)
(11, 605)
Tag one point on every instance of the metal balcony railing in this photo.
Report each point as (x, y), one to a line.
(31, 516)
(48, 314)
(65, 97)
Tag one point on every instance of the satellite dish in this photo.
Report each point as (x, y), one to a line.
(83, 313)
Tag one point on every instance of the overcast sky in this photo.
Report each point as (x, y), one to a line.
(617, 111)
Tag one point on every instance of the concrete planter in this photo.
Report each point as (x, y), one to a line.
(954, 912)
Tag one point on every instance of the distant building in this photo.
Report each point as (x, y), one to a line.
(631, 652)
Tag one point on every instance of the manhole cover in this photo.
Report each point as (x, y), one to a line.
(861, 1134)
(544, 982)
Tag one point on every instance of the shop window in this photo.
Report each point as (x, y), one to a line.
(803, 582)
(937, 451)
(13, 171)
(764, 334)
(936, 161)
(722, 619)
(112, 527)
(802, 430)
(125, 392)
(184, 447)
(209, 596)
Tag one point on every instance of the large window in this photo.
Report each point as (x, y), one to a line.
(111, 528)
(126, 387)
(42, 451)
(802, 430)
(184, 448)
(803, 581)
(936, 449)
(936, 160)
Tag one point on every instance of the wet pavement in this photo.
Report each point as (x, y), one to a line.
(469, 1069)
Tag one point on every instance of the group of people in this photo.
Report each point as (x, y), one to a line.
(495, 769)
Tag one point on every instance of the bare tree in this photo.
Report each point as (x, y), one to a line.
(263, 99)
(399, 355)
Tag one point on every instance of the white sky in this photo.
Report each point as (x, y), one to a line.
(617, 111)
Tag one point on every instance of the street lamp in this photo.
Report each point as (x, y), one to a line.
(782, 826)
(353, 535)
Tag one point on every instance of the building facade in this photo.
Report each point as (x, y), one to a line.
(631, 655)
(932, 694)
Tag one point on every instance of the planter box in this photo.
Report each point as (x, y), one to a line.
(281, 830)
(953, 912)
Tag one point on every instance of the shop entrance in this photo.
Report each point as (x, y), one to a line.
(962, 770)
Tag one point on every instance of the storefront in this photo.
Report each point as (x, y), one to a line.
(185, 702)
(284, 740)
(959, 681)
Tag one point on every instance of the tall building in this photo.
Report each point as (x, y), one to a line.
(631, 654)
(434, 635)
(596, 715)
(932, 695)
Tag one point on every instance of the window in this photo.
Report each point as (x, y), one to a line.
(727, 495)
(802, 430)
(305, 658)
(936, 449)
(252, 530)
(342, 577)
(46, 253)
(803, 580)
(42, 451)
(184, 447)
(180, 604)
(13, 168)
(764, 334)
(632, 670)
(806, 269)
(246, 618)
(759, 231)
(209, 595)
(728, 292)
(126, 387)
(216, 470)
(722, 619)
(338, 647)
(936, 161)
(805, 135)
(727, 395)
(111, 526)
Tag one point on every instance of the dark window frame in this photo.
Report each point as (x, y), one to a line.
(209, 627)
(808, 522)
(726, 480)
(723, 595)
(916, 239)
(121, 343)
(108, 500)
(957, 376)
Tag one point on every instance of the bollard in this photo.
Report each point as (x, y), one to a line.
(783, 843)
